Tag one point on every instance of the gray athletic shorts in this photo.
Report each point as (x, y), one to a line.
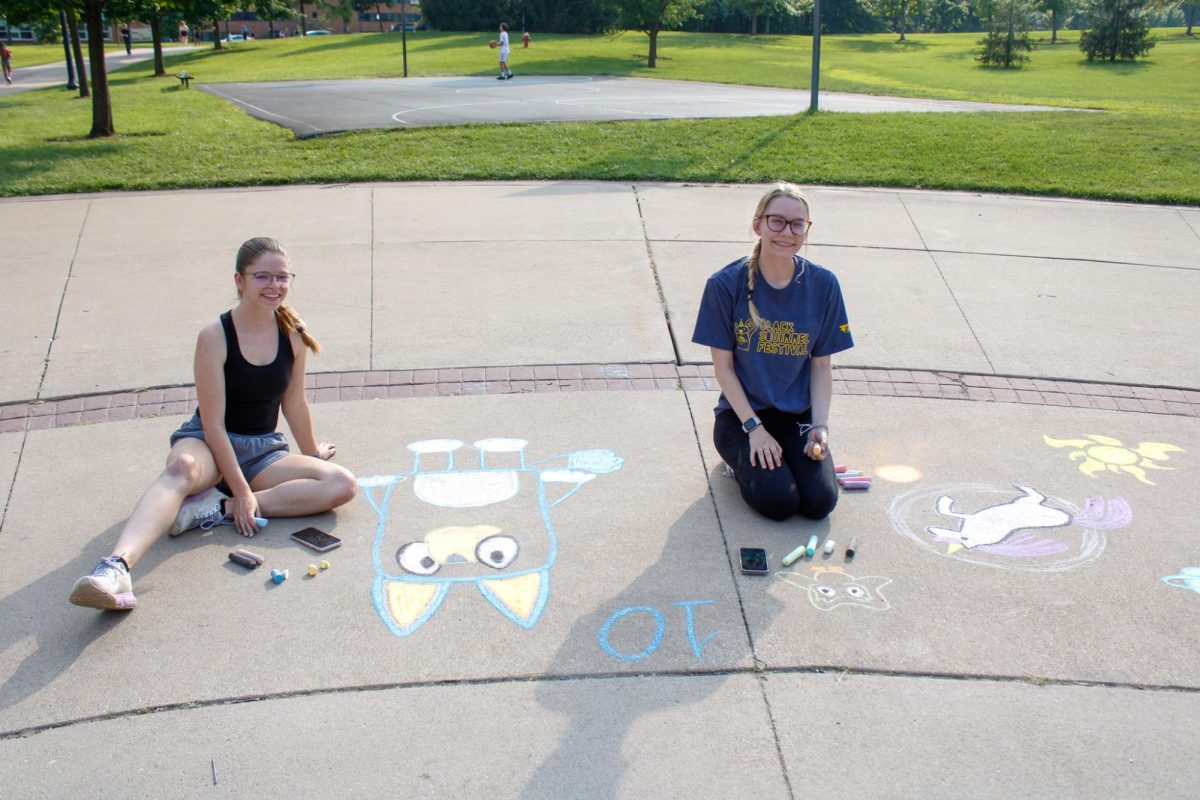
(253, 453)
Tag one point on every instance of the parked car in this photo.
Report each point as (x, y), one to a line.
(318, 33)
(233, 37)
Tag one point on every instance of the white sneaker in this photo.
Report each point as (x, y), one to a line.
(197, 509)
(109, 587)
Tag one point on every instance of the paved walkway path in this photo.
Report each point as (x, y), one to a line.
(28, 78)
(1019, 617)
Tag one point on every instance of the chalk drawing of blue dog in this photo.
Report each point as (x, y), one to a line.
(486, 524)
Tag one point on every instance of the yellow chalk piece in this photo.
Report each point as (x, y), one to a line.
(519, 594)
(953, 548)
(312, 570)
(324, 565)
(817, 451)
(408, 601)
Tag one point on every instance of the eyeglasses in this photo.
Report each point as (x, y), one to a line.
(777, 223)
(265, 279)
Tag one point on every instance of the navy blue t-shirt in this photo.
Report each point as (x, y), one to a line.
(805, 319)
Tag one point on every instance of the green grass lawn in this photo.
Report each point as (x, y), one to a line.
(1141, 148)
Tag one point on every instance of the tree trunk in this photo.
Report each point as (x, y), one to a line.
(653, 58)
(156, 36)
(303, 20)
(102, 120)
(767, 25)
(1191, 18)
(216, 34)
(77, 50)
(379, 17)
(754, 24)
(1053, 26)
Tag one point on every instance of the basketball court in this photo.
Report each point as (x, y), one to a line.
(311, 108)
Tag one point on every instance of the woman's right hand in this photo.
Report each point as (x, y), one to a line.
(244, 508)
(765, 449)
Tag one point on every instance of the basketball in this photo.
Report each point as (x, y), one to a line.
(493, 44)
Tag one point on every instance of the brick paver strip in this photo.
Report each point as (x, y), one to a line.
(663, 376)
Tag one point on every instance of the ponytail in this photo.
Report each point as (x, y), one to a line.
(751, 277)
(290, 322)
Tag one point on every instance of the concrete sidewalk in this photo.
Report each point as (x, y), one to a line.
(1020, 620)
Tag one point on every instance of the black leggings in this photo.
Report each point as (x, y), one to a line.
(800, 486)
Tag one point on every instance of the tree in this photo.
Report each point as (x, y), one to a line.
(944, 16)
(1058, 10)
(1116, 30)
(652, 16)
(102, 118)
(1007, 40)
(895, 14)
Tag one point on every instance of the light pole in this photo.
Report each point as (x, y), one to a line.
(404, 33)
(816, 58)
(62, 20)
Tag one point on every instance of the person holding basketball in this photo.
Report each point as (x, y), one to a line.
(505, 72)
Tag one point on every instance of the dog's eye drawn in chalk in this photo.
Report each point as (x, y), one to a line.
(497, 551)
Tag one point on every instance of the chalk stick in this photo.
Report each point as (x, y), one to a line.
(312, 570)
(829, 545)
(237, 558)
(855, 483)
(279, 576)
(852, 548)
(840, 468)
(811, 547)
(850, 473)
(257, 558)
(795, 555)
(817, 451)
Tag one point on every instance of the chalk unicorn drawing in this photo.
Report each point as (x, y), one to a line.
(487, 525)
(994, 524)
(1031, 531)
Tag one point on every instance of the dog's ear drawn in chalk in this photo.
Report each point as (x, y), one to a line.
(486, 525)
(994, 524)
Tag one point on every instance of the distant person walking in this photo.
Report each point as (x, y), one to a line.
(6, 60)
(183, 32)
(127, 38)
(505, 72)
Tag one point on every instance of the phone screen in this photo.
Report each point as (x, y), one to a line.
(754, 560)
(316, 539)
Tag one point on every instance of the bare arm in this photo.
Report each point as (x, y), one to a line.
(822, 394)
(295, 407)
(764, 450)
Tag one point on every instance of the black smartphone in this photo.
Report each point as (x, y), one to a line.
(754, 561)
(316, 539)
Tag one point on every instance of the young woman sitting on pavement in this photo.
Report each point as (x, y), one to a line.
(228, 464)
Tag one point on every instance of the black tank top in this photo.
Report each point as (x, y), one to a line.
(252, 393)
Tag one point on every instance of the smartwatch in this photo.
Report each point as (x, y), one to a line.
(751, 424)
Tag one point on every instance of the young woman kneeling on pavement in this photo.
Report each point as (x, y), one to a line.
(772, 320)
(228, 464)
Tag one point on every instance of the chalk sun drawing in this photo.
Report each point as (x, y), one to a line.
(487, 525)
(1104, 453)
(1031, 531)
(830, 587)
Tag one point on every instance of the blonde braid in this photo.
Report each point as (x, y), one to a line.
(751, 277)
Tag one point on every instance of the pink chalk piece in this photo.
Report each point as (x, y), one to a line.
(840, 468)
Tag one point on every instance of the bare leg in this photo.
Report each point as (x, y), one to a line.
(298, 485)
(190, 468)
